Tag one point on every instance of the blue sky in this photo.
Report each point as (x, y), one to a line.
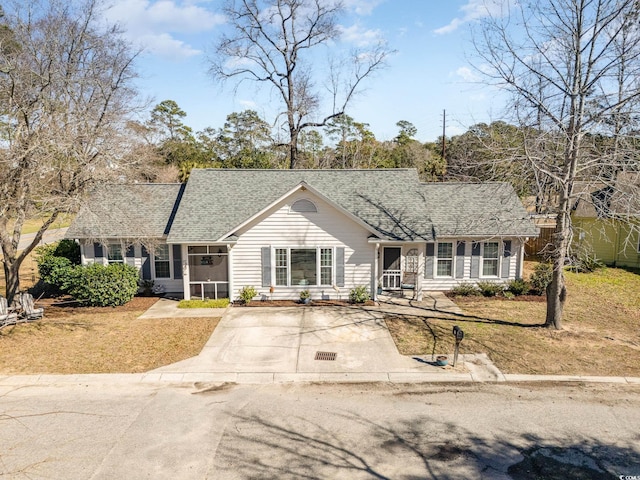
(429, 72)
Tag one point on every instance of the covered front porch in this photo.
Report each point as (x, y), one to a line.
(398, 269)
(206, 271)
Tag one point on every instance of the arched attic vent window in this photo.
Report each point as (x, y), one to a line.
(303, 206)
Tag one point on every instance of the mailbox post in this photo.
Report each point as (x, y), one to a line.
(458, 335)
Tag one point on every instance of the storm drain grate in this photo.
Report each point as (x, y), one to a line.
(326, 355)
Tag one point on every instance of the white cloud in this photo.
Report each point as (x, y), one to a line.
(248, 104)
(362, 7)
(359, 36)
(466, 74)
(474, 10)
(153, 24)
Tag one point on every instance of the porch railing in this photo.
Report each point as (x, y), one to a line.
(391, 279)
(204, 290)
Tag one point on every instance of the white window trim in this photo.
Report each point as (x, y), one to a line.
(453, 259)
(499, 259)
(153, 265)
(122, 253)
(318, 265)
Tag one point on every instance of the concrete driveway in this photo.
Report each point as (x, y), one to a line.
(286, 341)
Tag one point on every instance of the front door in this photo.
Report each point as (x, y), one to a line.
(391, 272)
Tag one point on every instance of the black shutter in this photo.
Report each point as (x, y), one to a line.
(266, 266)
(475, 260)
(146, 264)
(177, 262)
(460, 259)
(131, 252)
(97, 251)
(428, 262)
(340, 266)
(506, 260)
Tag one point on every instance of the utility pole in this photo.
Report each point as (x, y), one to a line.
(444, 127)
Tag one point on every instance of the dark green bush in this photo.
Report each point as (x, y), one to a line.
(541, 278)
(57, 273)
(518, 286)
(102, 286)
(64, 248)
(490, 289)
(465, 290)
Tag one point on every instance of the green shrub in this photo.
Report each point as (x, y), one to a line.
(64, 248)
(304, 294)
(465, 290)
(359, 294)
(101, 286)
(490, 289)
(210, 303)
(541, 278)
(247, 293)
(518, 286)
(509, 295)
(57, 273)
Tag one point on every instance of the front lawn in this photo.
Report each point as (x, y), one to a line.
(601, 334)
(101, 340)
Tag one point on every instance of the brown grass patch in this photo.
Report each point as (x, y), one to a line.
(600, 335)
(100, 340)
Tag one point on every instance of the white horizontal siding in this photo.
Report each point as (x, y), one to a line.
(87, 255)
(279, 227)
(447, 283)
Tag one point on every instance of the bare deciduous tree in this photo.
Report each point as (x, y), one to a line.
(65, 92)
(279, 42)
(573, 68)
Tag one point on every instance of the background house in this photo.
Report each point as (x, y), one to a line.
(606, 220)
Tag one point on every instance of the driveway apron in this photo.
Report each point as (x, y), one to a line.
(287, 340)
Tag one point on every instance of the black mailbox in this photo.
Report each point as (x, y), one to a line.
(458, 333)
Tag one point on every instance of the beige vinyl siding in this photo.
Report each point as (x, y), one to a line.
(281, 228)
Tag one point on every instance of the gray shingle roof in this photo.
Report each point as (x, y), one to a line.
(477, 210)
(130, 211)
(216, 201)
(391, 203)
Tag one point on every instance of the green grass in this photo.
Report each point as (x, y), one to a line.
(211, 303)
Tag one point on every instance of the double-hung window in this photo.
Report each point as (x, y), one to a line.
(326, 266)
(304, 266)
(161, 261)
(490, 259)
(114, 253)
(445, 259)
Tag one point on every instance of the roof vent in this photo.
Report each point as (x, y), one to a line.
(303, 206)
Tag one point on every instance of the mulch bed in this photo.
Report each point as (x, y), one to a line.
(479, 298)
(314, 303)
(65, 306)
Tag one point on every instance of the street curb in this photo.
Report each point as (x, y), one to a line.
(260, 378)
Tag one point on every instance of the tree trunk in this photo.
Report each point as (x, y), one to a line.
(12, 278)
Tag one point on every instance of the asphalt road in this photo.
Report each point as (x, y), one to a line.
(316, 431)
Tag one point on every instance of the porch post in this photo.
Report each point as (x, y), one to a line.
(420, 274)
(375, 272)
(230, 271)
(185, 272)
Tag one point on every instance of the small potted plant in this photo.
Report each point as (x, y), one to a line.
(305, 296)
